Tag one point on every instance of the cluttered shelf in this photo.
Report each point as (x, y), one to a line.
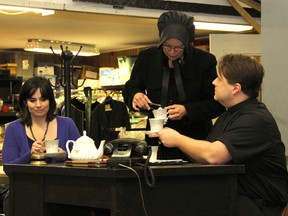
(8, 114)
(6, 117)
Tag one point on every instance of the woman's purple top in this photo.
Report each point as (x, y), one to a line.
(16, 149)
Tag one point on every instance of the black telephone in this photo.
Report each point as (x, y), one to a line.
(126, 151)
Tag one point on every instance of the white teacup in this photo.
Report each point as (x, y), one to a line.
(156, 124)
(51, 146)
(160, 113)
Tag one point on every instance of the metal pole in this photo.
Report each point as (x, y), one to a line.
(67, 87)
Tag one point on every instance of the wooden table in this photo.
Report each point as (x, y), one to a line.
(190, 189)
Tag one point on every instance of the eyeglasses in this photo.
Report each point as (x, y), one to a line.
(175, 48)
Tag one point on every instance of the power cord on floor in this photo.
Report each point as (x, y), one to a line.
(140, 186)
(146, 170)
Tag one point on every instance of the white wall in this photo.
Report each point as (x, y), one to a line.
(275, 61)
(247, 44)
(273, 46)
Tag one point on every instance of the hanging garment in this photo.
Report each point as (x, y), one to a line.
(88, 110)
(78, 114)
(107, 116)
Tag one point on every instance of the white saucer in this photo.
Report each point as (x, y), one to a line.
(54, 155)
(150, 132)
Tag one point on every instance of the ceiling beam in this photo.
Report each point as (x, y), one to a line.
(89, 6)
(245, 15)
(253, 4)
(192, 6)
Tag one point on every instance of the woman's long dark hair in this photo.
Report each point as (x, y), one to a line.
(27, 90)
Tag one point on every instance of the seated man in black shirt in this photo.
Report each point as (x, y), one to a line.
(245, 134)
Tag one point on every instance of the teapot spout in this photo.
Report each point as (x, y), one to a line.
(100, 150)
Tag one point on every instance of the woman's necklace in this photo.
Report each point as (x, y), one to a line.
(44, 133)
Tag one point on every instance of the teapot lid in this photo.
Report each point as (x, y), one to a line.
(85, 138)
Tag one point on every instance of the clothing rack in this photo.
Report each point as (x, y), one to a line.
(99, 92)
(88, 99)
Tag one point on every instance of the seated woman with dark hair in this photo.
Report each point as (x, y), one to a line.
(37, 122)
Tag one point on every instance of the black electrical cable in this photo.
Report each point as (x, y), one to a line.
(147, 169)
(140, 186)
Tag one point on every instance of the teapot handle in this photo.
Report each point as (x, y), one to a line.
(67, 147)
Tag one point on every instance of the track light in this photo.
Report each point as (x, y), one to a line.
(222, 27)
(43, 46)
(13, 10)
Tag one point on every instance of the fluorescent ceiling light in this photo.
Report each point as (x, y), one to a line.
(13, 10)
(43, 46)
(222, 27)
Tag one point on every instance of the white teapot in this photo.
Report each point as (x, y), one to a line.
(84, 149)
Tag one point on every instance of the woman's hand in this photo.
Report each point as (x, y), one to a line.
(176, 111)
(63, 155)
(140, 101)
(38, 147)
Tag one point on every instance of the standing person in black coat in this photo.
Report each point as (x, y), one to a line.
(179, 77)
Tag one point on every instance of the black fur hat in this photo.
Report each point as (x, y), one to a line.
(174, 24)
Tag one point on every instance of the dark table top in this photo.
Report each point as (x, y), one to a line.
(121, 172)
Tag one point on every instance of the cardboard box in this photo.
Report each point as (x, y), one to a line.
(12, 67)
(44, 68)
(89, 72)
